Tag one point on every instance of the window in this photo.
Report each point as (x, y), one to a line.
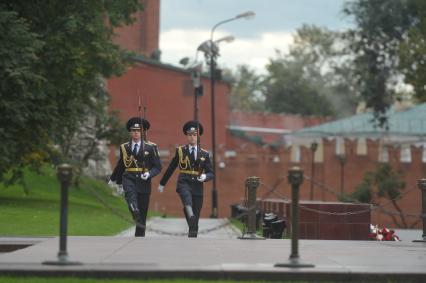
(361, 146)
(383, 153)
(319, 153)
(405, 156)
(340, 146)
(295, 153)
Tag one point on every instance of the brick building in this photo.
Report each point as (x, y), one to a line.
(247, 143)
(351, 147)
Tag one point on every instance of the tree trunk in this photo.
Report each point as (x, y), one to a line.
(401, 215)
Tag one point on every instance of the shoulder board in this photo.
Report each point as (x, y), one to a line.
(203, 150)
(151, 143)
(126, 143)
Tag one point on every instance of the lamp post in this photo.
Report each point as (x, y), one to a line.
(212, 55)
(314, 147)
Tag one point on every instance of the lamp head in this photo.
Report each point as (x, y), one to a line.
(184, 61)
(246, 15)
(228, 38)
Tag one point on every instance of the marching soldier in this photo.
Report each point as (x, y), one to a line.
(138, 163)
(195, 169)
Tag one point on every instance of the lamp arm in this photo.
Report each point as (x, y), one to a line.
(220, 23)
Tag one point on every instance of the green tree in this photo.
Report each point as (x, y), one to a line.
(382, 184)
(20, 116)
(314, 78)
(246, 90)
(55, 53)
(387, 33)
(412, 51)
(288, 90)
(93, 134)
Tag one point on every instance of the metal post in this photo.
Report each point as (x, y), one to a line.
(342, 160)
(64, 175)
(252, 183)
(212, 93)
(295, 178)
(422, 186)
(314, 147)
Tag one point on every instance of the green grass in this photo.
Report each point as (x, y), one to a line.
(240, 225)
(89, 280)
(37, 214)
(237, 223)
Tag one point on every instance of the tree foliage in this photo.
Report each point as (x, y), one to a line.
(313, 78)
(246, 90)
(412, 50)
(55, 53)
(382, 184)
(388, 43)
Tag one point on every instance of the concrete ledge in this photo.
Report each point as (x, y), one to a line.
(261, 275)
(209, 258)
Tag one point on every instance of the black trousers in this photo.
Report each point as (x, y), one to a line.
(195, 201)
(137, 202)
(143, 204)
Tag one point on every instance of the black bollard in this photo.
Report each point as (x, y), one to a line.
(422, 186)
(252, 183)
(64, 175)
(295, 178)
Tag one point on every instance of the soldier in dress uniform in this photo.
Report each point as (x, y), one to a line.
(138, 163)
(195, 169)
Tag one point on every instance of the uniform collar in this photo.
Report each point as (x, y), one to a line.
(133, 143)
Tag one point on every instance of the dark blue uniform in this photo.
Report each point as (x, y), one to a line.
(190, 190)
(128, 173)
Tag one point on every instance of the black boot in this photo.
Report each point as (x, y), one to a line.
(192, 221)
(139, 231)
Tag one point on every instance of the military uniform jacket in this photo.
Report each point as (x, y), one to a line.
(147, 160)
(189, 170)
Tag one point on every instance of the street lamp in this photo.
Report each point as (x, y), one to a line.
(211, 52)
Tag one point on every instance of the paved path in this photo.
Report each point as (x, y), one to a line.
(212, 258)
(177, 227)
(408, 235)
(166, 252)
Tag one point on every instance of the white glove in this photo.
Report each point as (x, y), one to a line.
(145, 176)
(202, 177)
(120, 190)
(160, 188)
(111, 183)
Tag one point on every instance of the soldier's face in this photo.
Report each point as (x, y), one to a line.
(136, 135)
(192, 138)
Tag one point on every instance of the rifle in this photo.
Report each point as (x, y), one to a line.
(198, 90)
(144, 117)
(143, 133)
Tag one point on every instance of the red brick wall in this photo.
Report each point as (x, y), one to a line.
(259, 162)
(169, 106)
(335, 222)
(143, 36)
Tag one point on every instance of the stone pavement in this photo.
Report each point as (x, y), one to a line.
(220, 258)
(408, 234)
(177, 227)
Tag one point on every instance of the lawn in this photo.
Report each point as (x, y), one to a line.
(37, 213)
(88, 280)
